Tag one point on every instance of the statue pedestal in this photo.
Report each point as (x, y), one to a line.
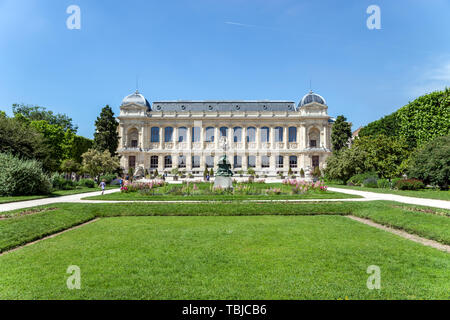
(223, 182)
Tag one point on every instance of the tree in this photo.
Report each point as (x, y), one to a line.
(106, 136)
(98, 163)
(36, 113)
(211, 172)
(344, 164)
(77, 146)
(384, 155)
(341, 133)
(431, 163)
(20, 139)
(70, 165)
(388, 126)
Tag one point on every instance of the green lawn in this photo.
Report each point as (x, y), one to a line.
(423, 193)
(251, 257)
(57, 193)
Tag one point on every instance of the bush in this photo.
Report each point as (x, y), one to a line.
(384, 184)
(60, 183)
(409, 184)
(89, 183)
(108, 178)
(370, 183)
(22, 177)
(432, 163)
(358, 179)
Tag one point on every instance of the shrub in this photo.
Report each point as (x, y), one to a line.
(370, 183)
(108, 178)
(358, 179)
(384, 184)
(22, 177)
(409, 184)
(60, 183)
(89, 183)
(432, 163)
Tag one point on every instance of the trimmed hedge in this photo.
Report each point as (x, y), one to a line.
(409, 184)
(22, 177)
(89, 183)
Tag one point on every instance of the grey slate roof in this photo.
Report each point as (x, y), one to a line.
(223, 106)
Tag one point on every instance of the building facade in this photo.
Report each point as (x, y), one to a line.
(268, 136)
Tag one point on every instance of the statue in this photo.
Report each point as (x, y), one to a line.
(223, 175)
(139, 173)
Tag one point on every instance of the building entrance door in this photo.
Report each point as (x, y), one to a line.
(132, 161)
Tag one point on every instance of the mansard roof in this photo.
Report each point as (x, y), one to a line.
(223, 106)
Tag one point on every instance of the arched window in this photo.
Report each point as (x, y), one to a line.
(292, 134)
(154, 162)
(181, 161)
(168, 162)
(223, 132)
(133, 138)
(237, 134)
(168, 134)
(314, 138)
(182, 134)
(195, 134)
(265, 136)
(209, 134)
(237, 162)
(280, 161)
(251, 161)
(251, 134)
(293, 161)
(265, 162)
(154, 137)
(278, 134)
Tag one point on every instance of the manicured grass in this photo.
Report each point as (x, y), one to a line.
(258, 257)
(431, 223)
(423, 193)
(57, 193)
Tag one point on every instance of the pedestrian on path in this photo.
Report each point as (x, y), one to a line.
(103, 186)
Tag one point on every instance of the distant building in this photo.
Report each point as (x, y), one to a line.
(268, 136)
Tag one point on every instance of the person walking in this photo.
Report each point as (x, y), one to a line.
(103, 186)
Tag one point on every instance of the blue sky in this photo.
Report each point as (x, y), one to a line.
(199, 49)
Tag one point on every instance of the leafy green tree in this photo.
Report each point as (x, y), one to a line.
(106, 136)
(344, 164)
(98, 163)
(36, 113)
(211, 172)
(388, 126)
(77, 145)
(431, 163)
(70, 165)
(341, 133)
(20, 139)
(384, 155)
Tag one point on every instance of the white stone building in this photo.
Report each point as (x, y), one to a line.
(268, 136)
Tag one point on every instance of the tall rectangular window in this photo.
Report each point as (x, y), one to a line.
(280, 162)
(293, 161)
(168, 134)
(154, 162)
(209, 161)
(251, 161)
(195, 134)
(237, 162)
(195, 161)
(154, 134)
(181, 161)
(292, 134)
(265, 162)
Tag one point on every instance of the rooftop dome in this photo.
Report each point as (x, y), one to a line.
(312, 97)
(136, 98)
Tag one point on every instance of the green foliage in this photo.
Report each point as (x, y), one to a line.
(175, 171)
(341, 133)
(432, 163)
(316, 172)
(388, 126)
(205, 172)
(211, 172)
(358, 179)
(22, 177)
(409, 184)
(96, 163)
(302, 173)
(20, 139)
(418, 122)
(108, 177)
(290, 173)
(77, 145)
(89, 183)
(384, 184)
(251, 171)
(106, 136)
(370, 183)
(36, 113)
(346, 163)
(383, 154)
(70, 165)
(60, 183)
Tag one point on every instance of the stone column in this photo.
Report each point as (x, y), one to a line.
(258, 137)
(285, 138)
(161, 138)
(216, 139)
(124, 137)
(189, 138)
(272, 137)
